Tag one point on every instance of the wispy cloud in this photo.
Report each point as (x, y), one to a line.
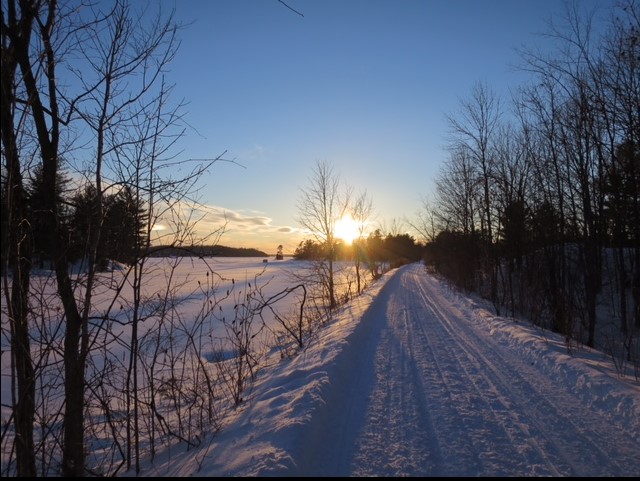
(236, 228)
(256, 152)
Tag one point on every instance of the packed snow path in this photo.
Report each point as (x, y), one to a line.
(428, 393)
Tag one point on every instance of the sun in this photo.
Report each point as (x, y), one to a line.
(347, 229)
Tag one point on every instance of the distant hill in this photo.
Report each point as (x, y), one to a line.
(206, 251)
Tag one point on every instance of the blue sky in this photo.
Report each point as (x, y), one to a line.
(363, 85)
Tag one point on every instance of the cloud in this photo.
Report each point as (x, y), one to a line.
(236, 228)
(256, 152)
(245, 219)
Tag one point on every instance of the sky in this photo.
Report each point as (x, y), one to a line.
(414, 379)
(362, 85)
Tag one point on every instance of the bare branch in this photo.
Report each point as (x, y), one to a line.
(293, 10)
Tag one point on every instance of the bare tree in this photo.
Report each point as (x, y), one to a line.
(425, 222)
(321, 205)
(578, 134)
(292, 323)
(361, 213)
(457, 194)
(617, 84)
(556, 196)
(116, 105)
(474, 130)
(17, 249)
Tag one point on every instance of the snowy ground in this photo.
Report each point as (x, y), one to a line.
(414, 379)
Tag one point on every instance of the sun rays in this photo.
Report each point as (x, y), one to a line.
(347, 229)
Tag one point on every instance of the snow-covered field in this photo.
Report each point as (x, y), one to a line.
(409, 378)
(414, 379)
(200, 336)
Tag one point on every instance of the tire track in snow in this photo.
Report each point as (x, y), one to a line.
(484, 415)
(553, 432)
(394, 438)
(439, 397)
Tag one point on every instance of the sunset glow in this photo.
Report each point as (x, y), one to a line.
(347, 229)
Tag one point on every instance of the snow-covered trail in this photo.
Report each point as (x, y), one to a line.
(422, 390)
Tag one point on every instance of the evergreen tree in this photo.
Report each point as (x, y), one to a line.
(124, 226)
(122, 236)
(39, 208)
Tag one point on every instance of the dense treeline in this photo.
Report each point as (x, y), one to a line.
(122, 225)
(539, 210)
(375, 249)
(370, 256)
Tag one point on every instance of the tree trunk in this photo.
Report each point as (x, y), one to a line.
(73, 456)
(19, 258)
(18, 309)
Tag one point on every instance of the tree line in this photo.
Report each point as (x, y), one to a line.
(538, 205)
(391, 250)
(322, 203)
(122, 224)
